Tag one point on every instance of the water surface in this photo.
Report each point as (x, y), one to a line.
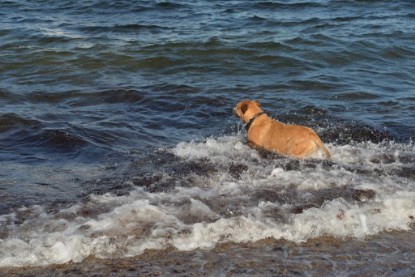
(117, 136)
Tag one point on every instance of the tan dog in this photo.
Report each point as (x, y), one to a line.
(291, 140)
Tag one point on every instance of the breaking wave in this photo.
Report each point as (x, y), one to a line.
(219, 190)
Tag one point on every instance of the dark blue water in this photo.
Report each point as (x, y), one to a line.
(95, 95)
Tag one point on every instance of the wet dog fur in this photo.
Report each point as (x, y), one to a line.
(288, 140)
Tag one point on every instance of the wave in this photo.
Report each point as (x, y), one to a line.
(19, 132)
(98, 29)
(217, 191)
(10, 121)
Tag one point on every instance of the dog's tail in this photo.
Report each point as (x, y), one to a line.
(320, 144)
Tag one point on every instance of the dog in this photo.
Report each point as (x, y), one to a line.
(288, 140)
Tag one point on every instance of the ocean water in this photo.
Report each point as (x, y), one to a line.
(118, 142)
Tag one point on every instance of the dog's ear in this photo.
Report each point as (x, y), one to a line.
(259, 104)
(244, 108)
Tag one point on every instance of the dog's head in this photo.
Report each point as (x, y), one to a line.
(247, 109)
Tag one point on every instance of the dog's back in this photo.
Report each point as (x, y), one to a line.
(292, 140)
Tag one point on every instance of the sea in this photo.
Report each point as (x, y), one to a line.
(120, 154)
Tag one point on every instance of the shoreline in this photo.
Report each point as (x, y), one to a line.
(388, 253)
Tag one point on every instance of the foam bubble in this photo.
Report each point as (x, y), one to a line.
(248, 197)
(213, 149)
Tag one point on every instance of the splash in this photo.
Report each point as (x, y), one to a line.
(235, 194)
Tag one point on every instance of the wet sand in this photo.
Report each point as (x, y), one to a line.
(389, 254)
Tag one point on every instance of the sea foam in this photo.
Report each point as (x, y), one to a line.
(248, 197)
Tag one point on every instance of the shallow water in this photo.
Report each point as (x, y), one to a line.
(323, 257)
(117, 136)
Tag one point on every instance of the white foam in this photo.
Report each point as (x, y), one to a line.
(222, 207)
(214, 149)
